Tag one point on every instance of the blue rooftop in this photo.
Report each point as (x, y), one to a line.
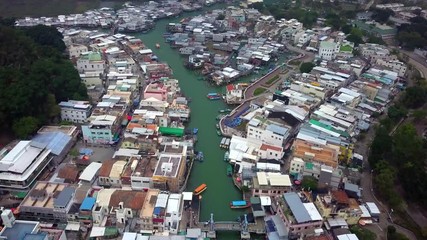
(87, 204)
(35, 236)
(298, 210)
(277, 129)
(19, 230)
(64, 197)
(55, 141)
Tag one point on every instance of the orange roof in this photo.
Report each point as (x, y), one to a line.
(264, 147)
(133, 125)
(152, 127)
(131, 199)
(340, 197)
(105, 169)
(68, 172)
(323, 154)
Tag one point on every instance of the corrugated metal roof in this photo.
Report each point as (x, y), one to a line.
(277, 129)
(55, 141)
(64, 197)
(297, 207)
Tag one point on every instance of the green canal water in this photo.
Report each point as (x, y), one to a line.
(212, 171)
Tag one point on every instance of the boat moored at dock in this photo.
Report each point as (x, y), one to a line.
(200, 189)
(239, 204)
(214, 96)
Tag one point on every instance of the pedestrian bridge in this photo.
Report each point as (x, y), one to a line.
(221, 226)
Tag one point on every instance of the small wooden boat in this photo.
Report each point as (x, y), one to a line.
(157, 45)
(218, 132)
(229, 170)
(226, 156)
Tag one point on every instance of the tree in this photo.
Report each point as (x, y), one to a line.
(25, 126)
(306, 67)
(382, 15)
(34, 76)
(309, 183)
(346, 28)
(355, 36)
(414, 97)
(220, 17)
(396, 112)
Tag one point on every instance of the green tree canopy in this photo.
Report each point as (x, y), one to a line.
(25, 126)
(34, 77)
(306, 67)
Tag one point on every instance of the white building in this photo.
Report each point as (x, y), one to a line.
(173, 213)
(328, 49)
(270, 133)
(75, 111)
(101, 130)
(75, 50)
(91, 61)
(21, 165)
(395, 65)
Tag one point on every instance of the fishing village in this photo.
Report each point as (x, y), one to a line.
(200, 126)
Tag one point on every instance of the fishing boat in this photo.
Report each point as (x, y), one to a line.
(218, 132)
(229, 170)
(200, 189)
(240, 204)
(157, 45)
(226, 156)
(200, 157)
(214, 96)
(217, 126)
(201, 78)
(225, 110)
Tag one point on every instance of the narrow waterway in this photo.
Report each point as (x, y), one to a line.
(212, 171)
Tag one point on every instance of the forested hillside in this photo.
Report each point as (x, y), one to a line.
(34, 76)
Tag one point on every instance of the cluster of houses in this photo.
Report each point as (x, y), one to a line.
(307, 129)
(129, 18)
(226, 43)
(137, 107)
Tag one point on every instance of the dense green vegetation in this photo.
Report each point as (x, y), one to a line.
(400, 157)
(34, 76)
(306, 67)
(362, 233)
(413, 35)
(393, 235)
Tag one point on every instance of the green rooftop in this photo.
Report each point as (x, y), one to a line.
(328, 127)
(92, 56)
(346, 48)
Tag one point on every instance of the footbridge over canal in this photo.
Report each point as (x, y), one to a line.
(211, 227)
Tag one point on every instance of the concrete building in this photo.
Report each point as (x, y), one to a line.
(91, 62)
(75, 111)
(22, 164)
(169, 173)
(19, 229)
(270, 184)
(338, 204)
(267, 131)
(394, 65)
(174, 212)
(47, 201)
(110, 173)
(301, 217)
(328, 49)
(311, 152)
(75, 50)
(101, 130)
(145, 220)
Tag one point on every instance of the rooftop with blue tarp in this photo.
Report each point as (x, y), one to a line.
(87, 204)
(55, 141)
